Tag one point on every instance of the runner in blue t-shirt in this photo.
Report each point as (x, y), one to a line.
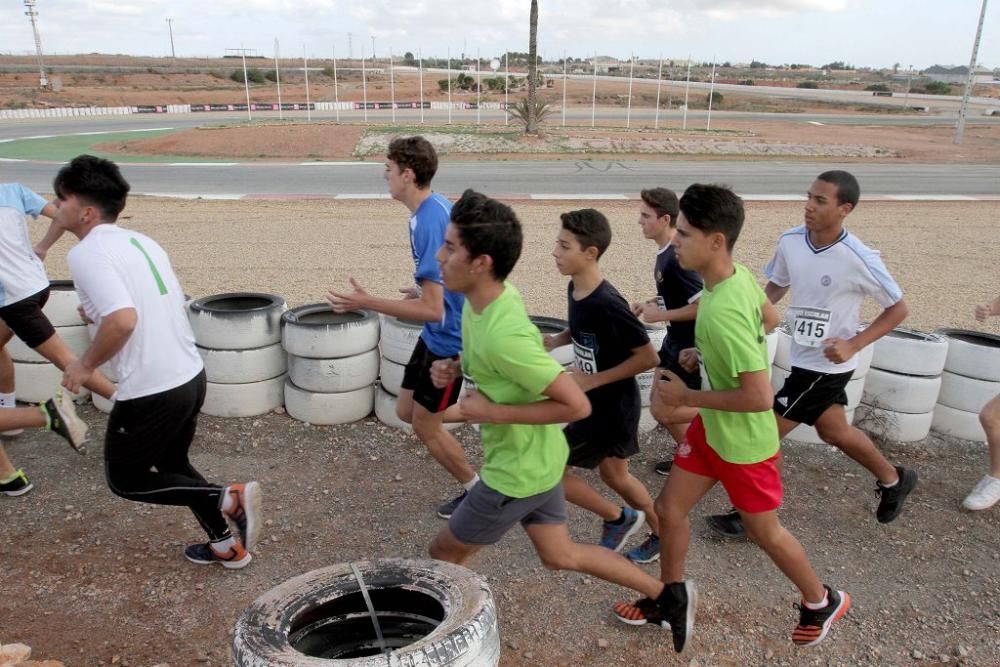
(409, 168)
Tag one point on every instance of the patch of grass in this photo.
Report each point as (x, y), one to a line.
(60, 149)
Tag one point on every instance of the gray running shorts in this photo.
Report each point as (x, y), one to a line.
(485, 515)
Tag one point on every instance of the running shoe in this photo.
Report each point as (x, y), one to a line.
(647, 552)
(203, 554)
(729, 525)
(60, 416)
(674, 608)
(815, 623)
(615, 535)
(447, 509)
(891, 504)
(984, 495)
(245, 512)
(16, 485)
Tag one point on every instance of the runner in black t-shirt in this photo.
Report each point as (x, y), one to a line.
(676, 304)
(611, 347)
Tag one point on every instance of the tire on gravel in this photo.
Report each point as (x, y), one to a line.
(957, 423)
(808, 434)
(399, 337)
(385, 412)
(892, 425)
(915, 394)
(35, 383)
(910, 352)
(237, 320)
(244, 400)
(244, 366)
(391, 375)
(329, 408)
(315, 331)
(76, 338)
(974, 354)
(334, 375)
(564, 355)
(61, 308)
(431, 613)
(966, 393)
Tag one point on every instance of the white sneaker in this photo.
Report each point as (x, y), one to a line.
(984, 495)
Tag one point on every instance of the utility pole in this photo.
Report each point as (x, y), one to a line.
(909, 81)
(170, 27)
(964, 109)
(43, 80)
(350, 48)
(373, 49)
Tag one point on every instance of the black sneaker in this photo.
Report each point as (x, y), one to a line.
(16, 485)
(203, 554)
(447, 509)
(60, 415)
(815, 623)
(674, 608)
(664, 467)
(891, 504)
(728, 525)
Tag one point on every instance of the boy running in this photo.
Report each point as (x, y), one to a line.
(24, 290)
(128, 288)
(734, 438)
(410, 166)
(986, 493)
(830, 273)
(611, 347)
(676, 304)
(520, 395)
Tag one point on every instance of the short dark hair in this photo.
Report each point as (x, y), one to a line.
(488, 227)
(590, 228)
(848, 189)
(714, 208)
(663, 201)
(415, 153)
(95, 180)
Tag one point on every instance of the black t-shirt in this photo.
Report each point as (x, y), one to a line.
(605, 332)
(676, 285)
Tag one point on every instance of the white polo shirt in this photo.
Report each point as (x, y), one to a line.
(829, 285)
(116, 268)
(21, 272)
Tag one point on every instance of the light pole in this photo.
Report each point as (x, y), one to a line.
(909, 81)
(170, 27)
(43, 80)
(964, 109)
(373, 48)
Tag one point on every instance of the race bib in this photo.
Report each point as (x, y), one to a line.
(811, 326)
(586, 360)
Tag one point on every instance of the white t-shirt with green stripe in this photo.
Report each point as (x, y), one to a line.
(116, 268)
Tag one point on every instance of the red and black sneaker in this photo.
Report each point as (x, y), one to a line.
(234, 558)
(245, 511)
(674, 608)
(815, 623)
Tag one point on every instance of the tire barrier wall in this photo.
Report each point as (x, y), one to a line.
(971, 379)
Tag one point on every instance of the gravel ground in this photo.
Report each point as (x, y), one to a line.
(90, 579)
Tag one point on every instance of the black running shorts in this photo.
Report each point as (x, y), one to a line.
(26, 319)
(806, 395)
(417, 378)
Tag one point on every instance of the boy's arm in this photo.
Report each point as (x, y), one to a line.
(641, 360)
(754, 394)
(985, 310)
(651, 312)
(775, 292)
(553, 341)
(770, 315)
(52, 235)
(428, 307)
(566, 403)
(839, 350)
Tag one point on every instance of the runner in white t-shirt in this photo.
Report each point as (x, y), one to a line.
(129, 290)
(830, 273)
(24, 289)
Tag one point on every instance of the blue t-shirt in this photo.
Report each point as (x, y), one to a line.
(21, 272)
(427, 228)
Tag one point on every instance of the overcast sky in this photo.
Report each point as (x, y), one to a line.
(875, 33)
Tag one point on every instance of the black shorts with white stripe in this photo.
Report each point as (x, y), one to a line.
(807, 394)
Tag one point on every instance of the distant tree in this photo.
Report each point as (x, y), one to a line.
(937, 88)
(531, 106)
(715, 98)
(878, 87)
(807, 84)
(408, 58)
(756, 64)
(895, 68)
(837, 64)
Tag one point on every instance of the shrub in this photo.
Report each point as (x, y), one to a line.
(937, 88)
(254, 75)
(715, 98)
(878, 88)
(812, 85)
(328, 71)
(747, 82)
(519, 111)
(271, 75)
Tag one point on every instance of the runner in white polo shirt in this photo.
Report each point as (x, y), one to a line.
(128, 288)
(830, 273)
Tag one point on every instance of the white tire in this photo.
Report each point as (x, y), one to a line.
(772, 346)
(36, 383)
(329, 408)
(896, 426)
(391, 376)
(76, 338)
(385, 412)
(550, 326)
(910, 352)
(334, 375)
(316, 332)
(244, 366)
(101, 403)
(808, 434)
(966, 393)
(657, 334)
(783, 349)
(244, 400)
(61, 308)
(647, 422)
(914, 394)
(957, 423)
(854, 388)
(864, 362)
(974, 354)
(237, 320)
(429, 612)
(645, 382)
(399, 337)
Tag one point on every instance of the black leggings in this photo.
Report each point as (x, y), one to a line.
(146, 454)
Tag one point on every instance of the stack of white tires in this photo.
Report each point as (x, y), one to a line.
(971, 379)
(333, 363)
(781, 368)
(239, 337)
(903, 384)
(35, 379)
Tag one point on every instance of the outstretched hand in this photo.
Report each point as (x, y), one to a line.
(343, 302)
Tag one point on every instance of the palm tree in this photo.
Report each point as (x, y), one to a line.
(531, 126)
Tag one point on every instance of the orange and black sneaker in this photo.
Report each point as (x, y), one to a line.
(245, 511)
(674, 609)
(234, 558)
(815, 623)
